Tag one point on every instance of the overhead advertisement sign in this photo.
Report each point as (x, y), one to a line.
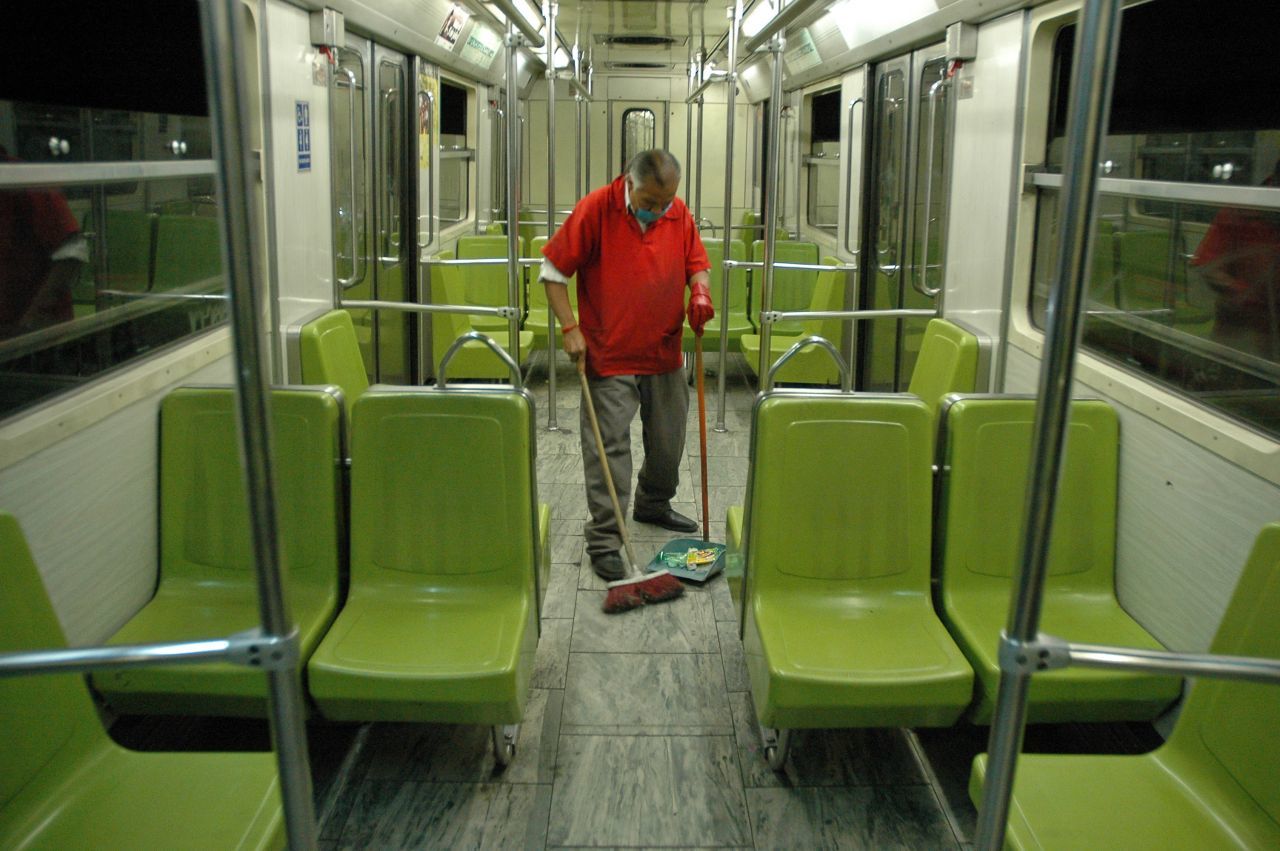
(804, 55)
(481, 46)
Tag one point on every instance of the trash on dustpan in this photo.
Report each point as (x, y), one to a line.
(689, 558)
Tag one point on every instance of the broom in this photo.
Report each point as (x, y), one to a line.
(636, 589)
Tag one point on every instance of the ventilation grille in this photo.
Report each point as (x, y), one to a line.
(640, 66)
(641, 40)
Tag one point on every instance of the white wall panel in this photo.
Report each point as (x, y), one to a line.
(87, 505)
(982, 172)
(304, 243)
(1187, 519)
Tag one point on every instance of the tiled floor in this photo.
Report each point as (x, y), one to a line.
(640, 730)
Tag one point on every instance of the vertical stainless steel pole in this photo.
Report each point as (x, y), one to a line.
(586, 142)
(225, 59)
(513, 42)
(731, 79)
(697, 172)
(771, 208)
(1096, 39)
(549, 12)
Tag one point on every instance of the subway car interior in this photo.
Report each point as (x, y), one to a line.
(295, 543)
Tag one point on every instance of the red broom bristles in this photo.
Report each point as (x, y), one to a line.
(660, 586)
(623, 596)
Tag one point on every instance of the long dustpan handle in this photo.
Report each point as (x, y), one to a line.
(632, 568)
(702, 432)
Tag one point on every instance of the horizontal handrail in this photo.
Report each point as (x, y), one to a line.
(506, 312)
(18, 175)
(252, 649)
(892, 313)
(1062, 653)
(163, 296)
(776, 25)
(527, 27)
(579, 89)
(808, 267)
(716, 77)
(1171, 190)
(479, 261)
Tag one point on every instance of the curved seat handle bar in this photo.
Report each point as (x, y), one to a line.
(493, 347)
(921, 283)
(805, 343)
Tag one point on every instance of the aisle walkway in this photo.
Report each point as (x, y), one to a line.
(639, 730)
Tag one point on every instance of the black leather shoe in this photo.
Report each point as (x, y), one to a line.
(669, 519)
(608, 566)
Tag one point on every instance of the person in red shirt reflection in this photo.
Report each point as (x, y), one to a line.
(634, 248)
(41, 252)
(1239, 258)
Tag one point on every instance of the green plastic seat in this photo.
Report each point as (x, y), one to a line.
(65, 784)
(1211, 785)
(330, 354)
(812, 365)
(739, 322)
(207, 585)
(839, 629)
(985, 451)
(792, 288)
(535, 320)
(1143, 279)
(948, 363)
(474, 360)
(130, 238)
(440, 622)
(188, 251)
(484, 285)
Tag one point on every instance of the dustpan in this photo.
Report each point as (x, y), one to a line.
(675, 558)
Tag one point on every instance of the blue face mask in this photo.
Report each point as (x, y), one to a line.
(648, 217)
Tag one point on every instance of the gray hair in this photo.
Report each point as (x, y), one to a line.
(650, 165)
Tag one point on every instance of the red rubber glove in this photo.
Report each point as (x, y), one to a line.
(700, 310)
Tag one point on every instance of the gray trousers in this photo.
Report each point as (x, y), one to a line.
(663, 401)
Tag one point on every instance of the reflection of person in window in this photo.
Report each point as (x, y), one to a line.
(1239, 258)
(41, 252)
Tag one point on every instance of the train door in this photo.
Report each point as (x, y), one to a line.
(635, 126)
(905, 210)
(371, 182)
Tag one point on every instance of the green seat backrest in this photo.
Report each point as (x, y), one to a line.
(738, 294)
(442, 487)
(1143, 263)
(484, 285)
(1237, 724)
(839, 498)
(1102, 286)
(188, 250)
(130, 239)
(44, 717)
(447, 287)
(204, 514)
(330, 354)
(530, 225)
(948, 363)
(537, 291)
(792, 288)
(988, 454)
(828, 294)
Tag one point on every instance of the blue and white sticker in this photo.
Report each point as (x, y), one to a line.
(302, 119)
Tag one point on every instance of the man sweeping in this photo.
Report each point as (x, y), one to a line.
(635, 248)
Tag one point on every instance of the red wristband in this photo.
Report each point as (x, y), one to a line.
(566, 329)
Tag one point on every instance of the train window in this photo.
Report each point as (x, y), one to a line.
(1185, 277)
(639, 133)
(455, 156)
(96, 271)
(823, 161)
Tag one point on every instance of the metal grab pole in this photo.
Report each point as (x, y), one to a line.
(697, 172)
(513, 42)
(771, 208)
(1098, 34)
(549, 11)
(225, 59)
(735, 17)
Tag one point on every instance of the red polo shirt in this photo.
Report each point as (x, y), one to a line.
(630, 284)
